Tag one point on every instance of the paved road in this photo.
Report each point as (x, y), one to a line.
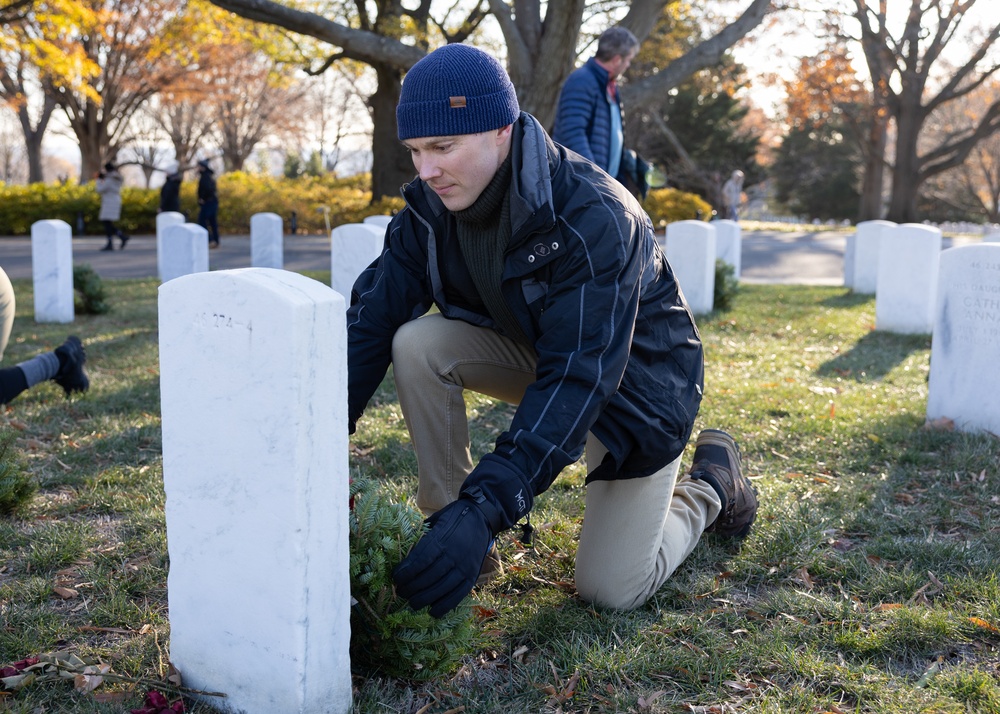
(805, 257)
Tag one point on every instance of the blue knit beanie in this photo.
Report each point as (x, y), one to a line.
(456, 89)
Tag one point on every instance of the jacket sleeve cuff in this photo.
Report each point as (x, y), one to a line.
(500, 490)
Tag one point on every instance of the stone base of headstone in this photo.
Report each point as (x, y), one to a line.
(908, 264)
(185, 251)
(691, 253)
(266, 241)
(253, 383)
(353, 247)
(52, 271)
(164, 221)
(965, 347)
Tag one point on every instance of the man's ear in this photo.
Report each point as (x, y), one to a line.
(503, 133)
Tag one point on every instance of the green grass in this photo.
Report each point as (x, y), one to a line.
(869, 583)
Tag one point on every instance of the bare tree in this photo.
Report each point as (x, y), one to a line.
(11, 151)
(142, 145)
(911, 78)
(186, 119)
(127, 42)
(18, 81)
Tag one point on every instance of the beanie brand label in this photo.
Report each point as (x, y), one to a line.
(457, 102)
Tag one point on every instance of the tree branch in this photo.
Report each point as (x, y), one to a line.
(359, 45)
(704, 55)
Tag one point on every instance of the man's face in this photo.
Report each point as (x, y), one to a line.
(620, 63)
(458, 168)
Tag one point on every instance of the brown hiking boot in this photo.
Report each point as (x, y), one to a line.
(492, 567)
(717, 461)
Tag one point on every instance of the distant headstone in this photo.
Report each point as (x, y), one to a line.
(909, 256)
(353, 247)
(380, 221)
(965, 347)
(866, 252)
(253, 385)
(52, 270)
(729, 243)
(163, 222)
(185, 251)
(691, 253)
(849, 260)
(266, 241)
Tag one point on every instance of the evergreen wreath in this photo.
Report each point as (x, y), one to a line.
(89, 298)
(386, 635)
(16, 486)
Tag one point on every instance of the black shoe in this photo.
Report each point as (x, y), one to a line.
(213, 244)
(125, 239)
(109, 246)
(717, 461)
(72, 357)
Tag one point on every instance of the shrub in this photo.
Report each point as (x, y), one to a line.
(88, 297)
(386, 635)
(726, 285)
(668, 205)
(16, 486)
(241, 195)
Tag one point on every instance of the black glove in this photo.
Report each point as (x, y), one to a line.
(443, 566)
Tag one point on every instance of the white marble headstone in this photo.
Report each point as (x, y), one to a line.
(992, 236)
(266, 241)
(866, 253)
(965, 347)
(253, 383)
(380, 221)
(729, 243)
(849, 260)
(691, 253)
(353, 247)
(52, 270)
(185, 251)
(164, 221)
(909, 256)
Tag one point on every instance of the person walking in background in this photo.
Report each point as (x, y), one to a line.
(109, 186)
(732, 195)
(208, 203)
(589, 118)
(553, 295)
(64, 365)
(170, 191)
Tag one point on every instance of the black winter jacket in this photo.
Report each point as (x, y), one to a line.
(618, 350)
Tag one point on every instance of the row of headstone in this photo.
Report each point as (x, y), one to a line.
(255, 470)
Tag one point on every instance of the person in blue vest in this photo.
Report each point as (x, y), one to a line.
(589, 118)
(553, 295)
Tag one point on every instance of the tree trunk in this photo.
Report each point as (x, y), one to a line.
(906, 178)
(870, 207)
(391, 164)
(33, 137)
(91, 157)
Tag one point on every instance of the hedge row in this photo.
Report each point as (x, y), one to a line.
(242, 195)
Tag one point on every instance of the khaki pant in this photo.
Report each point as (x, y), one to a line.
(635, 531)
(7, 307)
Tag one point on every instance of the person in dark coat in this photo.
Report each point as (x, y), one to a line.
(208, 203)
(589, 117)
(170, 191)
(551, 294)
